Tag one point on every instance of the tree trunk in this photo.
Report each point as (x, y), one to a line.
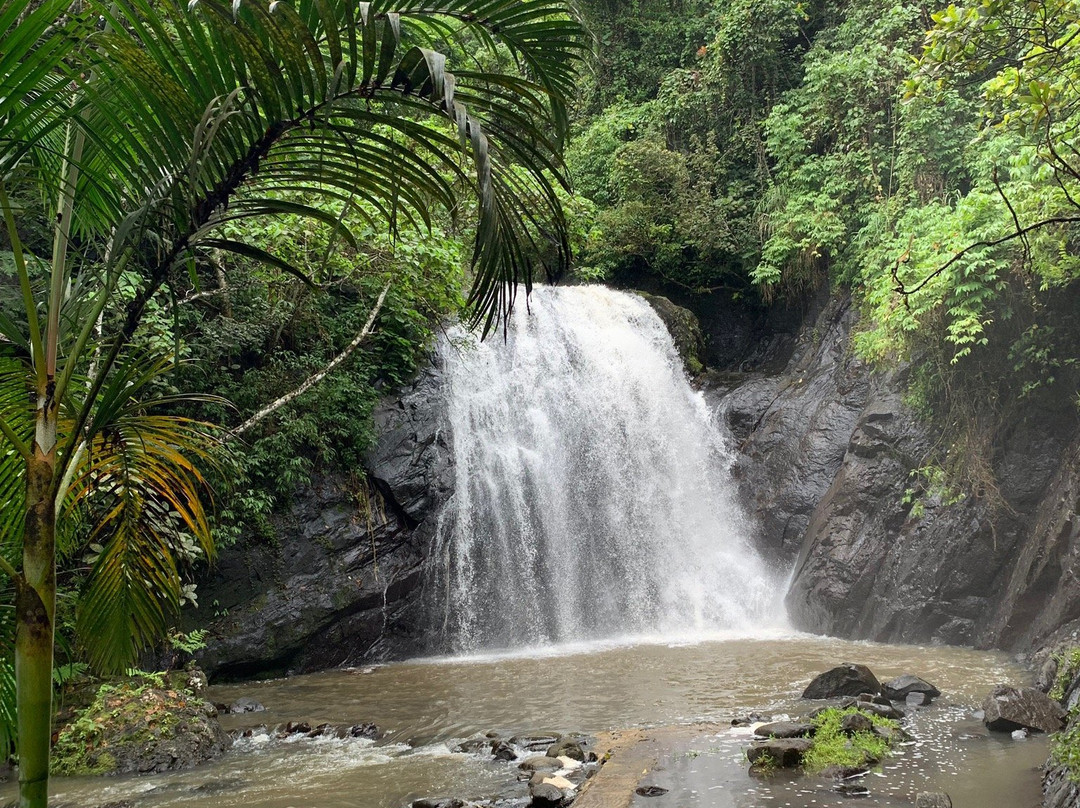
(35, 609)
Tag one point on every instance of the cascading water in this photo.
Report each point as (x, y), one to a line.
(592, 494)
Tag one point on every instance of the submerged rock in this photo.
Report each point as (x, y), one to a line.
(244, 704)
(844, 680)
(901, 687)
(1011, 708)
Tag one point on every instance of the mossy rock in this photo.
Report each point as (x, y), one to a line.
(140, 726)
(685, 331)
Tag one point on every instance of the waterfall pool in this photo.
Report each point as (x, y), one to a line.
(425, 707)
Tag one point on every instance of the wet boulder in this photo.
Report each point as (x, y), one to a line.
(438, 802)
(540, 763)
(538, 742)
(843, 680)
(547, 795)
(501, 750)
(784, 752)
(901, 687)
(785, 729)
(1011, 708)
(566, 748)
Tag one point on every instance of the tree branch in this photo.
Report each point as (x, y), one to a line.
(1021, 233)
(317, 377)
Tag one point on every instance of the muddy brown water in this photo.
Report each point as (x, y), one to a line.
(427, 706)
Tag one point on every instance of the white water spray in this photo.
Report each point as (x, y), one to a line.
(593, 496)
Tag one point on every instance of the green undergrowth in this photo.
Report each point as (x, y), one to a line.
(1065, 745)
(145, 703)
(833, 747)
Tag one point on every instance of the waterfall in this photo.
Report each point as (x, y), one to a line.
(593, 496)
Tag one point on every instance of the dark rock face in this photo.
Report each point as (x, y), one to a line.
(685, 331)
(826, 450)
(843, 680)
(340, 584)
(1011, 708)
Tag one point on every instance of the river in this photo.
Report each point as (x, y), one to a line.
(426, 706)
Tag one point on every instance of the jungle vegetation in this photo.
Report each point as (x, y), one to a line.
(205, 208)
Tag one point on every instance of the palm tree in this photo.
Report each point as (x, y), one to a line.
(146, 125)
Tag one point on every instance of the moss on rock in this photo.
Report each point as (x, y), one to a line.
(140, 725)
(685, 331)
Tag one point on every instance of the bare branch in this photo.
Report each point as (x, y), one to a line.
(317, 377)
(1021, 233)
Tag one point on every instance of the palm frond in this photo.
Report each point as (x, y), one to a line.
(240, 104)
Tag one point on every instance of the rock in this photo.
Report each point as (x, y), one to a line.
(1019, 734)
(685, 331)
(856, 722)
(929, 799)
(244, 704)
(650, 791)
(501, 750)
(540, 763)
(369, 731)
(852, 789)
(785, 729)
(566, 748)
(138, 728)
(328, 586)
(844, 680)
(535, 743)
(901, 687)
(438, 802)
(827, 446)
(296, 728)
(883, 710)
(559, 782)
(475, 746)
(748, 719)
(782, 751)
(545, 795)
(892, 734)
(917, 699)
(1011, 708)
(570, 763)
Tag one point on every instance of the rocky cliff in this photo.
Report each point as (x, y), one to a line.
(826, 452)
(339, 582)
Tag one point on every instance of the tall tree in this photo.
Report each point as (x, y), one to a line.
(149, 126)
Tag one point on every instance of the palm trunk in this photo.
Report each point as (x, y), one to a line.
(35, 608)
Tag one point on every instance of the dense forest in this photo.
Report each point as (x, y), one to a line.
(924, 160)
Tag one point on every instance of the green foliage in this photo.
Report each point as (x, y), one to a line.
(831, 746)
(187, 642)
(1068, 665)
